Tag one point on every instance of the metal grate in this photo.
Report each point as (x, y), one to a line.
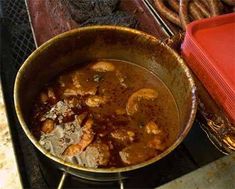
(22, 43)
(17, 43)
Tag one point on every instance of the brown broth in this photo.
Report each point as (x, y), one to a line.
(116, 86)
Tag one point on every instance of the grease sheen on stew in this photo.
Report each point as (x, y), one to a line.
(107, 113)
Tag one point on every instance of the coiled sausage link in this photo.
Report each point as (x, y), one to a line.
(214, 6)
(202, 8)
(205, 2)
(167, 13)
(183, 13)
(195, 11)
(174, 4)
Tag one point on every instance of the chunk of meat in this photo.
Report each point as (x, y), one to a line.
(123, 136)
(152, 128)
(47, 126)
(103, 66)
(120, 111)
(70, 92)
(95, 101)
(157, 143)
(70, 78)
(86, 139)
(80, 118)
(73, 91)
(72, 85)
(133, 101)
(136, 153)
(97, 154)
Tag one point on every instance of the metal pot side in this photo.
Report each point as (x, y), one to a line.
(109, 42)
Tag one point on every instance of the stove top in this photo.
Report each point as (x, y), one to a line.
(18, 43)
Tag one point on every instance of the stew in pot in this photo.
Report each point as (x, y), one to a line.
(105, 114)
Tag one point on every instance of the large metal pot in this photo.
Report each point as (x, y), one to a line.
(109, 42)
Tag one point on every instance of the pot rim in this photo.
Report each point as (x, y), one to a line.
(104, 170)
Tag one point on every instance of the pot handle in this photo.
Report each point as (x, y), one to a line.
(121, 184)
(65, 174)
(62, 180)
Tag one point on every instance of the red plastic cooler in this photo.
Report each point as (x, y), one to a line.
(209, 50)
